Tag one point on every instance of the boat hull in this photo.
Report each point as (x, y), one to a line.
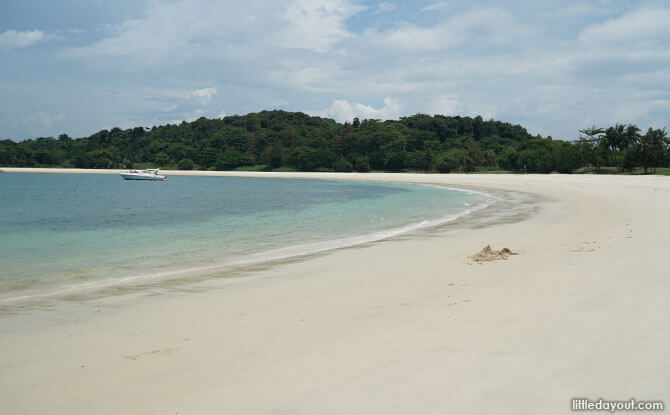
(132, 176)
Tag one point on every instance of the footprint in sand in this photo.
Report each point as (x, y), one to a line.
(157, 352)
(587, 246)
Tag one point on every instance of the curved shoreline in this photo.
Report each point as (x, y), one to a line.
(411, 326)
(132, 284)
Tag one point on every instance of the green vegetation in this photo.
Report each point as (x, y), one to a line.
(279, 140)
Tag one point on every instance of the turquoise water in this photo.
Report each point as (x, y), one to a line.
(77, 230)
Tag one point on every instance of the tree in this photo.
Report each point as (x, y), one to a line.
(272, 156)
(177, 151)
(361, 164)
(342, 165)
(473, 155)
(397, 161)
(629, 159)
(631, 136)
(96, 159)
(161, 159)
(229, 160)
(447, 163)
(477, 128)
(565, 157)
(652, 148)
(537, 160)
(207, 157)
(292, 139)
(508, 159)
(185, 164)
(593, 134)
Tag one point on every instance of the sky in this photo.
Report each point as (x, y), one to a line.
(79, 66)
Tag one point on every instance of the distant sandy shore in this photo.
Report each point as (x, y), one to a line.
(405, 326)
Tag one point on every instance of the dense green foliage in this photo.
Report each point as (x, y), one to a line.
(272, 140)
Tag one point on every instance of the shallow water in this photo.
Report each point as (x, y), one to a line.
(69, 231)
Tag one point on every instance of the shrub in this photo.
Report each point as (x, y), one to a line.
(447, 163)
(185, 164)
(342, 165)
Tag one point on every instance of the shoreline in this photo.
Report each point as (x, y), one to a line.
(488, 213)
(410, 325)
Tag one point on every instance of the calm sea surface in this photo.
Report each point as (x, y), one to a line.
(67, 231)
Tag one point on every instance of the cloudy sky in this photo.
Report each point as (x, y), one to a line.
(78, 66)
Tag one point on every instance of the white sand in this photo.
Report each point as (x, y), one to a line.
(402, 326)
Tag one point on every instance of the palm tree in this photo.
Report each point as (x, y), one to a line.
(613, 141)
(658, 142)
(652, 148)
(631, 135)
(593, 134)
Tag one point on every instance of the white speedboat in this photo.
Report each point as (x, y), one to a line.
(148, 174)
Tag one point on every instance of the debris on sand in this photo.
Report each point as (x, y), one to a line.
(487, 254)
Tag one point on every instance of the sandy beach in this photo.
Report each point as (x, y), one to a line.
(408, 325)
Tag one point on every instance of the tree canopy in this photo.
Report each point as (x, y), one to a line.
(270, 140)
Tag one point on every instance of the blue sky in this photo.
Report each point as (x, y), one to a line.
(78, 66)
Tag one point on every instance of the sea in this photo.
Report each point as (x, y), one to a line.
(62, 233)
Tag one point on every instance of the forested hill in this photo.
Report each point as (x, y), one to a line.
(272, 140)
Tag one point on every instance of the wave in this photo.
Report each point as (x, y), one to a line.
(214, 268)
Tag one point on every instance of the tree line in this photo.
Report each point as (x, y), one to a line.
(280, 140)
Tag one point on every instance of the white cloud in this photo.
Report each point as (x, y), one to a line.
(203, 96)
(342, 110)
(446, 105)
(624, 50)
(390, 110)
(299, 75)
(474, 29)
(182, 31)
(435, 6)
(11, 39)
(339, 110)
(316, 24)
(645, 24)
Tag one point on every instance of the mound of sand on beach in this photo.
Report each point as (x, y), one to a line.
(487, 254)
